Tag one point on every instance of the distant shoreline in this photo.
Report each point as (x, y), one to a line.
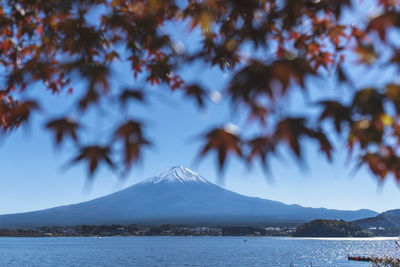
(143, 230)
(383, 238)
(133, 230)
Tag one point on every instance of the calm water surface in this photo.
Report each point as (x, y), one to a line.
(188, 251)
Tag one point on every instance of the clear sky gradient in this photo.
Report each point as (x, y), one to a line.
(34, 174)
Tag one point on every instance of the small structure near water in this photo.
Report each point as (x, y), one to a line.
(379, 261)
(386, 261)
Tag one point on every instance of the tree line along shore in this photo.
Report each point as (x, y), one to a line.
(315, 228)
(141, 230)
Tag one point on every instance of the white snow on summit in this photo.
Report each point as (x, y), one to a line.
(177, 174)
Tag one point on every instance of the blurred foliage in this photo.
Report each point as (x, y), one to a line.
(56, 43)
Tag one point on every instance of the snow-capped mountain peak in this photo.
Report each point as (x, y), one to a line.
(175, 196)
(177, 174)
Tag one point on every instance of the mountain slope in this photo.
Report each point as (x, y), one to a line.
(389, 220)
(177, 195)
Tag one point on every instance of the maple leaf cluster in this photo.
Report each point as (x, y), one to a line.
(55, 43)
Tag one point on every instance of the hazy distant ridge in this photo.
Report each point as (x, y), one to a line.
(177, 195)
(389, 220)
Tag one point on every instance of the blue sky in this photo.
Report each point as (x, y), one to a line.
(34, 175)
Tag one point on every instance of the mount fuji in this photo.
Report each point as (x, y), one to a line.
(176, 196)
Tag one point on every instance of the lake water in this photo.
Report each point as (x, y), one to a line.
(189, 251)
